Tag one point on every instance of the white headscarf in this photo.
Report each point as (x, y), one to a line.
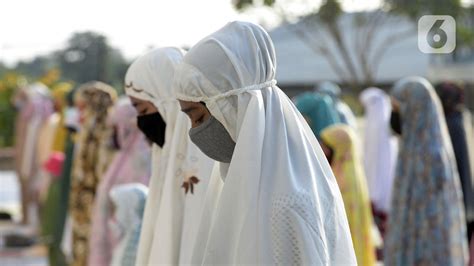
(280, 203)
(168, 231)
(380, 147)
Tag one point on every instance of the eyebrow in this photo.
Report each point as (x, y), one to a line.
(189, 109)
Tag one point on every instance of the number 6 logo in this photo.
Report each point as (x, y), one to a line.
(436, 34)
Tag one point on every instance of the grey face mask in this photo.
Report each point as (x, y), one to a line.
(212, 139)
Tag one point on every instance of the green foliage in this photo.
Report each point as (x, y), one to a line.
(116, 68)
(465, 28)
(416, 8)
(8, 84)
(85, 58)
(268, 2)
(3, 69)
(330, 11)
(465, 36)
(36, 67)
(243, 4)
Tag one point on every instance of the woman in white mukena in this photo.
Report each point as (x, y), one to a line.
(275, 199)
(180, 171)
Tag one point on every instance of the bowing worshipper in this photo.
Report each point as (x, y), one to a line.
(380, 152)
(426, 224)
(181, 175)
(319, 110)
(452, 99)
(131, 164)
(345, 113)
(128, 201)
(274, 199)
(349, 172)
(51, 211)
(93, 99)
(35, 106)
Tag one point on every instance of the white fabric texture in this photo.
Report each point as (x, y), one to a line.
(169, 212)
(279, 202)
(380, 147)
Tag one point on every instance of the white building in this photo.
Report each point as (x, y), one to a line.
(299, 67)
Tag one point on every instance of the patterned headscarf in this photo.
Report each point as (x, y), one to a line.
(426, 224)
(93, 157)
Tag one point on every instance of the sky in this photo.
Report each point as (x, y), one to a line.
(34, 27)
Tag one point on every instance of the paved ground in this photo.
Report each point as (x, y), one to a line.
(9, 201)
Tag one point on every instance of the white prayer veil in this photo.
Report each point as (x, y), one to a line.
(380, 147)
(143, 83)
(167, 213)
(280, 203)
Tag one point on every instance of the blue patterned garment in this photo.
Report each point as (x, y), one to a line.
(129, 200)
(130, 253)
(426, 223)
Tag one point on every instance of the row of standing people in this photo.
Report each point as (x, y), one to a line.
(67, 141)
(242, 209)
(417, 212)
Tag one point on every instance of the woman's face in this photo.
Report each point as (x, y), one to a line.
(143, 107)
(197, 112)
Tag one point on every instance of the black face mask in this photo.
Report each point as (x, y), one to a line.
(396, 122)
(153, 126)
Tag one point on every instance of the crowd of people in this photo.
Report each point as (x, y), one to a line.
(206, 161)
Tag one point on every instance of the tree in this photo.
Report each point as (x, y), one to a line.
(88, 56)
(36, 67)
(416, 8)
(85, 57)
(3, 69)
(8, 85)
(355, 58)
(116, 68)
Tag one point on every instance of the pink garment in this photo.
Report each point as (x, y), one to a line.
(35, 106)
(54, 165)
(131, 164)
